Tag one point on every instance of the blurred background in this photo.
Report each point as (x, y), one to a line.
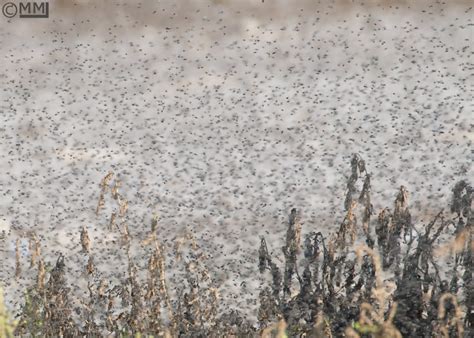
(220, 116)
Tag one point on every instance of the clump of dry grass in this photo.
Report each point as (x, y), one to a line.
(349, 283)
(372, 316)
(342, 290)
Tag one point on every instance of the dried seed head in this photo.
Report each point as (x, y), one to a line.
(123, 207)
(100, 204)
(34, 248)
(154, 223)
(112, 223)
(90, 268)
(104, 185)
(115, 188)
(125, 234)
(17, 258)
(85, 241)
(178, 243)
(41, 275)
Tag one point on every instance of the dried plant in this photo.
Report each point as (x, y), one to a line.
(389, 287)
(104, 186)
(34, 248)
(337, 296)
(85, 241)
(450, 323)
(17, 258)
(7, 324)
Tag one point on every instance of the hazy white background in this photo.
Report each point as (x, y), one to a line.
(221, 116)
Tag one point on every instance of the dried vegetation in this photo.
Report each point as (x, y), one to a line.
(376, 276)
